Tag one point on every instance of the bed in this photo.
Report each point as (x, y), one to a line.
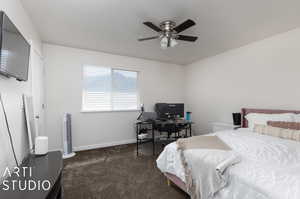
(270, 168)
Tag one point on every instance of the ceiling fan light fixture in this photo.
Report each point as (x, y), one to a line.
(164, 43)
(168, 33)
(173, 42)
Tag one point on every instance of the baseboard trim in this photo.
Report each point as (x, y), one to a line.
(103, 145)
(51, 150)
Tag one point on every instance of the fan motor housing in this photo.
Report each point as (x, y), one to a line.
(167, 25)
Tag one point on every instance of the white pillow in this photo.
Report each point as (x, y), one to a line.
(297, 118)
(260, 118)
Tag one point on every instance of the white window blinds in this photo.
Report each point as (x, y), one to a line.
(108, 89)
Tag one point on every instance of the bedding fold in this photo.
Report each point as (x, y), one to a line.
(232, 160)
(202, 142)
(205, 160)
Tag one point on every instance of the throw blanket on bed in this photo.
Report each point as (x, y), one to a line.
(205, 171)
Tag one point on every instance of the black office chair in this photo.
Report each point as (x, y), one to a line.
(170, 129)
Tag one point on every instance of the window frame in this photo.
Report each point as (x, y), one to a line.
(112, 110)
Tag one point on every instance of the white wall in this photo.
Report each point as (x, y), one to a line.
(12, 91)
(265, 74)
(159, 82)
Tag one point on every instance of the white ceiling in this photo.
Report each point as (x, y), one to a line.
(113, 26)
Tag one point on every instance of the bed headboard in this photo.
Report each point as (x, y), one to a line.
(246, 111)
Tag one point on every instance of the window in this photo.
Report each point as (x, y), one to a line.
(108, 89)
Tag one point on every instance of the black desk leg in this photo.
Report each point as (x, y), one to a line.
(190, 130)
(137, 140)
(60, 193)
(153, 140)
(186, 134)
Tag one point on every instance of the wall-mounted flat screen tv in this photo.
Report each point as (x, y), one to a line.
(14, 50)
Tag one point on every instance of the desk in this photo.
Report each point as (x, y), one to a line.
(151, 126)
(145, 127)
(47, 167)
(187, 124)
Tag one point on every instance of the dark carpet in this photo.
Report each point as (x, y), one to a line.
(116, 172)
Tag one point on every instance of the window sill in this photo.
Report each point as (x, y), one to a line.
(110, 111)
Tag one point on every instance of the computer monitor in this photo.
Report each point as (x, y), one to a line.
(169, 110)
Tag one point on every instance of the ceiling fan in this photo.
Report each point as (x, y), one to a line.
(168, 32)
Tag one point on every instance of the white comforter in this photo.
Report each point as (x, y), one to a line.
(270, 166)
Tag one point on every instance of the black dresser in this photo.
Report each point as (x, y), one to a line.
(42, 174)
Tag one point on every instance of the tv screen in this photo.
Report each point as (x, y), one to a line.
(165, 110)
(14, 50)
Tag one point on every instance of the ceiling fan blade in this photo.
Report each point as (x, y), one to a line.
(186, 38)
(148, 38)
(185, 25)
(152, 26)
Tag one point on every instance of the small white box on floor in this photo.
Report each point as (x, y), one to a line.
(41, 145)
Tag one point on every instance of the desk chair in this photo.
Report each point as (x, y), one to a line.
(170, 128)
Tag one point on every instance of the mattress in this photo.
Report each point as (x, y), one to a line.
(270, 166)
